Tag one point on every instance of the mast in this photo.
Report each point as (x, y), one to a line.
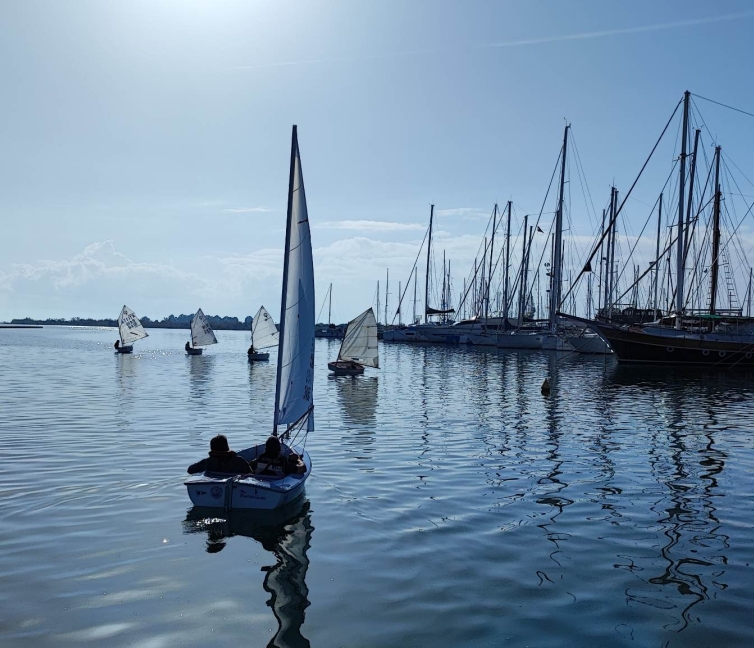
(284, 291)
(557, 255)
(602, 258)
(377, 316)
(690, 198)
(522, 288)
(413, 321)
(748, 310)
(482, 283)
(489, 274)
(329, 308)
(387, 294)
(400, 299)
(681, 188)
(448, 297)
(657, 256)
(612, 249)
(426, 275)
(715, 235)
(507, 263)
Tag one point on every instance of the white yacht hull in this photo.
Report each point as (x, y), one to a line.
(517, 340)
(552, 342)
(592, 344)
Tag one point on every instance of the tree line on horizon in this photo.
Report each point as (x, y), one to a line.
(218, 322)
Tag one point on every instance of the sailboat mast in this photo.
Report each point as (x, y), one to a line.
(657, 256)
(378, 302)
(284, 291)
(557, 256)
(690, 199)
(489, 274)
(681, 196)
(426, 274)
(522, 287)
(748, 310)
(387, 294)
(400, 299)
(507, 262)
(329, 308)
(413, 321)
(715, 236)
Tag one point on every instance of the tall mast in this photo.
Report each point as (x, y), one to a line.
(602, 258)
(690, 199)
(611, 294)
(557, 254)
(522, 287)
(448, 298)
(489, 274)
(748, 310)
(681, 196)
(715, 235)
(426, 275)
(387, 294)
(442, 298)
(657, 256)
(482, 282)
(507, 262)
(413, 321)
(329, 308)
(378, 301)
(284, 291)
(400, 300)
(608, 262)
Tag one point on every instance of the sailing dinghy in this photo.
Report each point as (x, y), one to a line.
(130, 330)
(201, 334)
(264, 334)
(359, 347)
(294, 402)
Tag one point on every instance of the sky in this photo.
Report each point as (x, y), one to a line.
(145, 144)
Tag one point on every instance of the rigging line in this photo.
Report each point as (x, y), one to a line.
(719, 103)
(748, 211)
(625, 198)
(413, 269)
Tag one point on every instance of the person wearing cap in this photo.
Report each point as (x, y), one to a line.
(274, 463)
(221, 459)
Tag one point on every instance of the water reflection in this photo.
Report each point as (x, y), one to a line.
(200, 376)
(286, 533)
(357, 396)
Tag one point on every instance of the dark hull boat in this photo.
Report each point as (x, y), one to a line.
(654, 344)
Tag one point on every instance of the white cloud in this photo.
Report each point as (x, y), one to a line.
(466, 213)
(248, 210)
(371, 226)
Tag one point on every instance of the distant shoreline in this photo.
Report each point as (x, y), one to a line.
(109, 323)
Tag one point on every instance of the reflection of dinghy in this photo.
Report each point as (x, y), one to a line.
(286, 534)
(359, 347)
(201, 334)
(294, 403)
(264, 334)
(130, 330)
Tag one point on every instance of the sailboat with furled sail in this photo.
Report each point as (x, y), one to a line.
(359, 348)
(130, 330)
(201, 334)
(264, 334)
(294, 401)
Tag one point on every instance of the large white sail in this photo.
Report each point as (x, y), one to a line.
(130, 327)
(296, 350)
(264, 333)
(201, 331)
(360, 341)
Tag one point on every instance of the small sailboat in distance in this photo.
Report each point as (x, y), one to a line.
(264, 334)
(359, 348)
(201, 334)
(130, 330)
(294, 400)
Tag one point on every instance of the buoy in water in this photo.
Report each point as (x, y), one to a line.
(546, 387)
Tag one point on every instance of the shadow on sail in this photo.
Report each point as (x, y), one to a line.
(286, 533)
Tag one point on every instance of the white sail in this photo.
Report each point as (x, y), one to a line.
(130, 327)
(294, 399)
(264, 333)
(360, 341)
(201, 331)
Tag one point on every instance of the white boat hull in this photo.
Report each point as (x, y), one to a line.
(519, 340)
(258, 357)
(592, 344)
(229, 492)
(555, 343)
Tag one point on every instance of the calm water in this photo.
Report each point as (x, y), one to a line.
(451, 504)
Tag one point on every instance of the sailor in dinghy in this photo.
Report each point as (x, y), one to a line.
(294, 401)
(130, 330)
(359, 348)
(201, 334)
(264, 334)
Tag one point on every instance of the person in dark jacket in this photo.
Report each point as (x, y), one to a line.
(274, 463)
(221, 459)
(188, 346)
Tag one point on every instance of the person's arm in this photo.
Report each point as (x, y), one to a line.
(199, 466)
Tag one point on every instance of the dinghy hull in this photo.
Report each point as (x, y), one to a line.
(194, 351)
(258, 357)
(345, 368)
(258, 492)
(124, 349)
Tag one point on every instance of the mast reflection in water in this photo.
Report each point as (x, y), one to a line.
(286, 533)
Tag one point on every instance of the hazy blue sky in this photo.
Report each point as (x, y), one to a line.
(144, 144)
